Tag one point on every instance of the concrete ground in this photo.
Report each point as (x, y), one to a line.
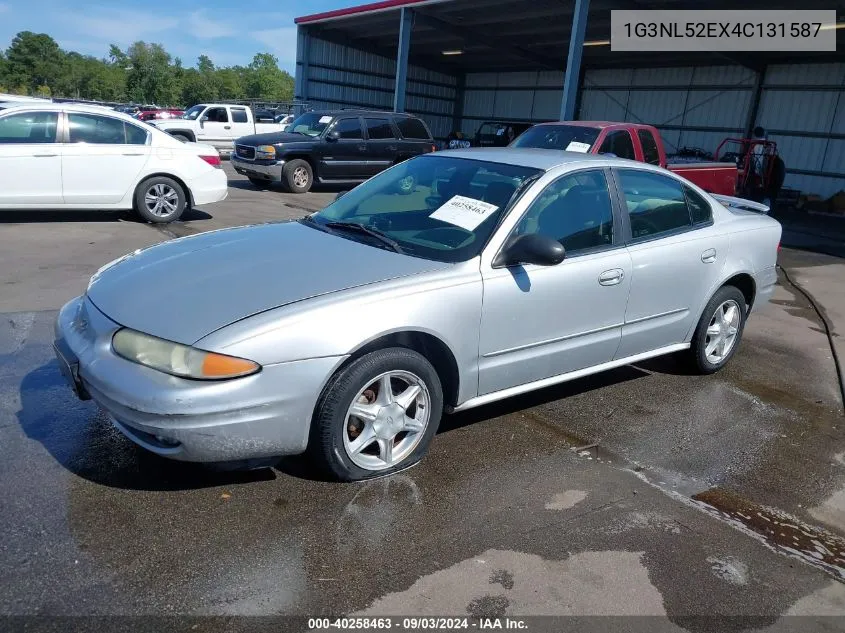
(707, 503)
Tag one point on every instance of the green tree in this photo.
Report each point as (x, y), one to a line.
(265, 80)
(150, 77)
(34, 60)
(231, 83)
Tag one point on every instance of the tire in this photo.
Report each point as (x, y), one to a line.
(334, 430)
(298, 176)
(711, 327)
(154, 198)
(260, 182)
(182, 137)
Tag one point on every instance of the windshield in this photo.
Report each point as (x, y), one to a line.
(436, 207)
(194, 112)
(312, 123)
(573, 138)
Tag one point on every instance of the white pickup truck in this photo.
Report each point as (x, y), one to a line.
(216, 124)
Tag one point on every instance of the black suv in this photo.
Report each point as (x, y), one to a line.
(337, 146)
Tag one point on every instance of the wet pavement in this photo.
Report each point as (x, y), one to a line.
(664, 515)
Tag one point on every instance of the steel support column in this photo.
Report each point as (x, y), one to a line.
(458, 107)
(301, 81)
(406, 25)
(573, 61)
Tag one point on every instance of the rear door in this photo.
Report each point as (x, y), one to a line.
(677, 256)
(241, 124)
(102, 158)
(30, 158)
(382, 144)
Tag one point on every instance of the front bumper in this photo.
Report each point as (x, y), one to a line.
(264, 169)
(267, 414)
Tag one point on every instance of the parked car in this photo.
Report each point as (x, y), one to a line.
(349, 332)
(152, 115)
(499, 133)
(217, 124)
(633, 141)
(340, 146)
(61, 156)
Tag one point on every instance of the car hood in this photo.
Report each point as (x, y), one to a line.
(273, 138)
(187, 288)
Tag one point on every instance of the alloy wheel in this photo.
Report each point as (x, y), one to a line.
(386, 420)
(722, 332)
(161, 200)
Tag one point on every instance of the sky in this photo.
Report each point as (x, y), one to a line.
(228, 31)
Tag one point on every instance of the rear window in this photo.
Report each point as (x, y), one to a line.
(239, 115)
(650, 152)
(379, 129)
(573, 138)
(411, 128)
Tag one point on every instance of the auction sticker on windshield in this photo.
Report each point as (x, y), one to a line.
(466, 213)
(325, 119)
(575, 146)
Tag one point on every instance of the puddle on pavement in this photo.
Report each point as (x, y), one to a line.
(781, 531)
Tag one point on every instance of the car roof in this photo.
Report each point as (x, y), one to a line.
(357, 112)
(596, 124)
(544, 159)
(70, 107)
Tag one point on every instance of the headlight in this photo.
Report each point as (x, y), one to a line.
(179, 360)
(265, 152)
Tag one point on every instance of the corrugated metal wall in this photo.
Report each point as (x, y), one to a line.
(802, 107)
(691, 106)
(515, 96)
(343, 77)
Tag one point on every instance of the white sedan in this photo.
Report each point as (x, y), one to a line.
(63, 156)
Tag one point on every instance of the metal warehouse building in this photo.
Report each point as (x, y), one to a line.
(458, 63)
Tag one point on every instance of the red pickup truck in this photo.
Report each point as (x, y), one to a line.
(627, 140)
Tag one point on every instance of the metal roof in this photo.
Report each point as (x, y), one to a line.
(495, 35)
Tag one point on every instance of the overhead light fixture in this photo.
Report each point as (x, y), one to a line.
(457, 52)
(597, 43)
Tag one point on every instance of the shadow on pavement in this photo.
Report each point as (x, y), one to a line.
(81, 438)
(35, 216)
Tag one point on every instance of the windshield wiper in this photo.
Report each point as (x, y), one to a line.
(367, 230)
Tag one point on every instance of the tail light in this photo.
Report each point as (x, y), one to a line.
(214, 161)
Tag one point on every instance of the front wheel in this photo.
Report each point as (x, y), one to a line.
(378, 415)
(719, 331)
(298, 176)
(160, 200)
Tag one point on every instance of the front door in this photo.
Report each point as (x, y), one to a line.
(30, 159)
(215, 127)
(382, 144)
(677, 258)
(102, 159)
(344, 155)
(543, 321)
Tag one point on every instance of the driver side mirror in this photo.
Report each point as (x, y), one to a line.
(532, 248)
(333, 136)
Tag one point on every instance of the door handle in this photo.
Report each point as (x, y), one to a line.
(44, 155)
(362, 148)
(612, 277)
(709, 256)
(227, 127)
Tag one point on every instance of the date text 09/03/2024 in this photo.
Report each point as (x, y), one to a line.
(416, 624)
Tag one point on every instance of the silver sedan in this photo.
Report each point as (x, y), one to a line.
(447, 282)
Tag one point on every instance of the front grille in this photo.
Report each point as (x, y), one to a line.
(245, 152)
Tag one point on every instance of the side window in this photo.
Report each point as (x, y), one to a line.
(92, 128)
(700, 211)
(217, 115)
(239, 115)
(650, 152)
(29, 127)
(656, 203)
(135, 135)
(575, 210)
(349, 129)
(379, 129)
(618, 143)
(411, 128)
